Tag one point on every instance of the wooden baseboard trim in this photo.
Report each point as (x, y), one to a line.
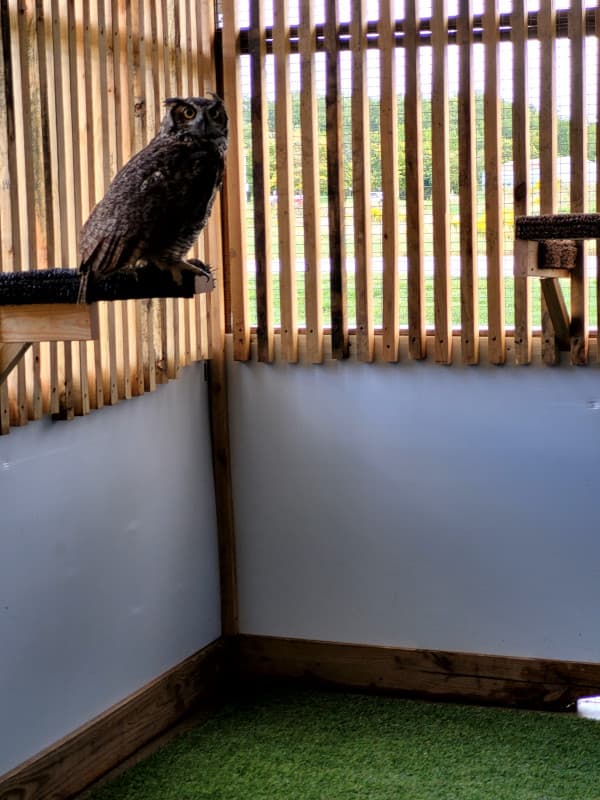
(76, 761)
(468, 677)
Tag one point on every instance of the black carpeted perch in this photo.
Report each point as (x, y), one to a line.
(62, 285)
(558, 226)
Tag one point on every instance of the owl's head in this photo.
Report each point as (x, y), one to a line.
(197, 116)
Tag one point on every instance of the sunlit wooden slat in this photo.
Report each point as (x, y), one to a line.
(413, 136)
(548, 149)
(441, 186)
(285, 185)
(467, 189)
(310, 185)
(260, 182)
(361, 184)
(521, 155)
(335, 185)
(578, 144)
(493, 185)
(235, 247)
(389, 177)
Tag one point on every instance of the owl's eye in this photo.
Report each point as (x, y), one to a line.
(189, 112)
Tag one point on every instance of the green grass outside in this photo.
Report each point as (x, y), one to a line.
(403, 300)
(295, 745)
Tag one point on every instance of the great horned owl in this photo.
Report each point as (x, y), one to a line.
(156, 206)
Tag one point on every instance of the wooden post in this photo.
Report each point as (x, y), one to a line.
(493, 186)
(441, 185)
(285, 185)
(361, 183)
(578, 144)
(340, 346)
(389, 178)
(310, 186)
(521, 200)
(547, 147)
(260, 182)
(467, 190)
(413, 134)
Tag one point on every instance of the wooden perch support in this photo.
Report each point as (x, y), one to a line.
(41, 306)
(548, 258)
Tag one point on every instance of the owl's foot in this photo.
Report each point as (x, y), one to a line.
(193, 265)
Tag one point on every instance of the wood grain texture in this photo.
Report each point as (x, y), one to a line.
(335, 185)
(413, 133)
(73, 763)
(260, 182)
(361, 184)
(521, 194)
(388, 119)
(52, 322)
(467, 189)
(493, 185)
(548, 150)
(10, 355)
(285, 184)
(578, 188)
(310, 185)
(468, 677)
(440, 167)
(235, 244)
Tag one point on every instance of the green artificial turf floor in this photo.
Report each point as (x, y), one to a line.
(301, 745)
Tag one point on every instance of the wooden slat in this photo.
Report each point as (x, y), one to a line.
(235, 182)
(389, 178)
(467, 190)
(361, 184)
(413, 134)
(31, 182)
(260, 182)
(18, 213)
(111, 164)
(521, 155)
(548, 147)
(7, 237)
(310, 185)
(578, 144)
(285, 185)
(493, 185)
(340, 347)
(139, 133)
(440, 186)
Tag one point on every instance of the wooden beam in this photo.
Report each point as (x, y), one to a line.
(10, 355)
(52, 322)
(472, 677)
(80, 758)
(557, 309)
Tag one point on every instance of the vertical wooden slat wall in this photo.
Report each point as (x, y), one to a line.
(81, 90)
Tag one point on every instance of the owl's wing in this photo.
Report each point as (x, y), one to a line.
(117, 228)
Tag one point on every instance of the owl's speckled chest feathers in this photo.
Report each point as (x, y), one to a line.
(157, 204)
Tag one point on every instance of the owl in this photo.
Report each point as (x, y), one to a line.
(159, 202)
